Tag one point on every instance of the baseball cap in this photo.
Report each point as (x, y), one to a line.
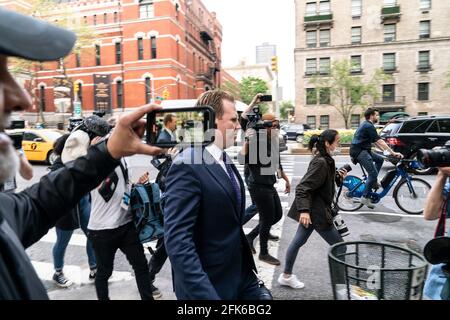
(33, 39)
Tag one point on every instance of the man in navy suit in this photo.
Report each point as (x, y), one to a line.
(168, 132)
(204, 211)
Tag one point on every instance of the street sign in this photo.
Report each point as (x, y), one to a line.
(77, 108)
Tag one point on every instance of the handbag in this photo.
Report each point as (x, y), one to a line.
(437, 252)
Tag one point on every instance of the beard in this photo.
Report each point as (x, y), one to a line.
(9, 163)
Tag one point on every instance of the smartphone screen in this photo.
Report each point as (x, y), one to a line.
(181, 126)
(266, 98)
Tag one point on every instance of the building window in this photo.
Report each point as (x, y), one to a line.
(424, 60)
(324, 7)
(389, 3)
(390, 32)
(42, 98)
(324, 122)
(424, 91)
(356, 8)
(105, 18)
(97, 55)
(116, 17)
(355, 121)
(311, 39)
(425, 4)
(148, 90)
(95, 19)
(389, 62)
(424, 29)
(119, 94)
(325, 38)
(356, 64)
(140, 49)
(311, 96)
(311, 9)
(153, 47)
(118, 53)
(356, 35)
(325, 64)
(146, 9)
(389, 93)
(311, 121)
(311, 66)
(325, 96)
(77, 60)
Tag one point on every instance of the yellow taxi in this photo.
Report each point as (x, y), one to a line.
(38, 143)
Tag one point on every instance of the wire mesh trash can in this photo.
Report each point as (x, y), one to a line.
(376, 271)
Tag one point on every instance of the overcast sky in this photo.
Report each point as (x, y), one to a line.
(248, 23)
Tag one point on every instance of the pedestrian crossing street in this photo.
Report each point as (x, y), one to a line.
(79, 271)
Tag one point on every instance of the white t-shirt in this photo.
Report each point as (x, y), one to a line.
(110, 215)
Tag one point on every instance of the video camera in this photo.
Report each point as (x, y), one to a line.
(94, 126)
(255, 120)
(439, 157)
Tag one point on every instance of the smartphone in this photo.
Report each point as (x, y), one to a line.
(182, 127)
(17, 139)
(266, 98)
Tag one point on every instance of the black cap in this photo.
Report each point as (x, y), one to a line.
(33, 39)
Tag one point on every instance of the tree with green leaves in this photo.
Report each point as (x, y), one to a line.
(346, 91)
(62, 16)
(285, 108)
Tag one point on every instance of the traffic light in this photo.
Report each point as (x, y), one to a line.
(166, 94)
(76, 87)
(274, 63)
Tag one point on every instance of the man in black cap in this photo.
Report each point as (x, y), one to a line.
(27, 216)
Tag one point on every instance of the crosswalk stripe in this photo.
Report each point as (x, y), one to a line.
(76, 274)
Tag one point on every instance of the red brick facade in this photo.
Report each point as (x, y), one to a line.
(180, 51)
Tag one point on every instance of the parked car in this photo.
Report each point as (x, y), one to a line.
(410, 135)
(38, 144)
(295, 131)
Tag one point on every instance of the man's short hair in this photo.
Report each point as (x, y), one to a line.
(370, 112)
(214, 99)
(168, 118)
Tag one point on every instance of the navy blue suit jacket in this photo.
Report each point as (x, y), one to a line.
(204, 238)
(165, 136)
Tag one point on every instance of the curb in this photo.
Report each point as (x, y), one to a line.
(304, 151)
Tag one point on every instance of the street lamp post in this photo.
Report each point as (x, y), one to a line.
(157, 89)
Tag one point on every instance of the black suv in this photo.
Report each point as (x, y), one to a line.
(410, 135)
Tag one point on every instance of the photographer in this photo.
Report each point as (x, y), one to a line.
(261, 134)
(312, 207)
(437, 286)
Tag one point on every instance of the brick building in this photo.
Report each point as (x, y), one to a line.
(408, 39)
(142, 48)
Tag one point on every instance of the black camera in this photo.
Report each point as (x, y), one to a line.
(17, 139)
(255, 120)
(435, 158)
(94, 126)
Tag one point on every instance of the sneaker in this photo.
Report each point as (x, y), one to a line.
(61, 280)
(367, 202)
(292, 282)
(155, 292)
(267, 258)
(92, 274)
(273, 237)
(250, 243)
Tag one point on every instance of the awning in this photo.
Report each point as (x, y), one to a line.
(385, 117)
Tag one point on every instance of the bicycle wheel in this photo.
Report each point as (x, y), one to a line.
(412, 203)
(346, 203)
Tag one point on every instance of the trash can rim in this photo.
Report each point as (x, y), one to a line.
(331, 256)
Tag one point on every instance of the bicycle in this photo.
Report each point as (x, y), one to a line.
(410, 193)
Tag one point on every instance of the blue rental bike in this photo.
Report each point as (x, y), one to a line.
(410, 193)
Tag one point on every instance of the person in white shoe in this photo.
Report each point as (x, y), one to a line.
(313, 200)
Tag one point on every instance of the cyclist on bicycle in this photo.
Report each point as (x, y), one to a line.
(360, 152)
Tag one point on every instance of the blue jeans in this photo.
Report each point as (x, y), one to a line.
(63, 237)
(372, 163)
